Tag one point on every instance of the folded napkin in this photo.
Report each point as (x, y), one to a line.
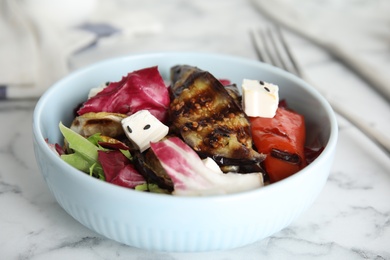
(38, 37)
(355, 32)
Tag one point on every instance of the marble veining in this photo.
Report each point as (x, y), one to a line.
(349, 220)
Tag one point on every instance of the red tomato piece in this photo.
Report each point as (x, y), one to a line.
(282, 139)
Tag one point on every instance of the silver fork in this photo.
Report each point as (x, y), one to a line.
(272, 48)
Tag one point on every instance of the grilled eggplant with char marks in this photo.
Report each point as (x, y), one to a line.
(105, 123)
(210, 120)
(148, 165)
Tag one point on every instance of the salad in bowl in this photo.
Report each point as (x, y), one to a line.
(195, 135)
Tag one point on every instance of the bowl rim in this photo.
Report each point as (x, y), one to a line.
(326, 153)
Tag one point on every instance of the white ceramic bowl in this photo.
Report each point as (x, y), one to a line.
(171, 223)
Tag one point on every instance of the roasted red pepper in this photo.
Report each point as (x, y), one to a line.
(282, 139)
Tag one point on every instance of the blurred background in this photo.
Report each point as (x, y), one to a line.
(43, 40)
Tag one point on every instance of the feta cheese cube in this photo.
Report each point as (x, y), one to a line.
(142, 128)
(259, 98)
(211, 164)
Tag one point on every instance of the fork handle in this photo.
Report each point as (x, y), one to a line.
(374, 135)
(363, 70)
(382, 141)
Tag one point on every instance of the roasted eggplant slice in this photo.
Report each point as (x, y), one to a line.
(209, 119)
(234, 92)
(148, 165)
(105, 123)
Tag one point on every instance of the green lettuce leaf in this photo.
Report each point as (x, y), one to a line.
(80, 144)
(85, 156)
(151, 187)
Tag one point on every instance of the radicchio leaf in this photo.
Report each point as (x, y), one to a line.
(191, 177)
(312, 153)
(57, 148)
(225, 82)
(141, 89)
(119, 170)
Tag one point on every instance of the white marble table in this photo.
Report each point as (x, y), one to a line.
(349, 220)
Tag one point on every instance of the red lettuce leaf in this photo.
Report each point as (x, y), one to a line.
(283, 104)
(128, 177)
(59, 149)
(141, 89)
(312, 153)
(119, 170)
(225, 82)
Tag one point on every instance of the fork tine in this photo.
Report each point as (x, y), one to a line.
(274, 41)
(260, 46)
(294, 64)
(267, 47)
(271, 47)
